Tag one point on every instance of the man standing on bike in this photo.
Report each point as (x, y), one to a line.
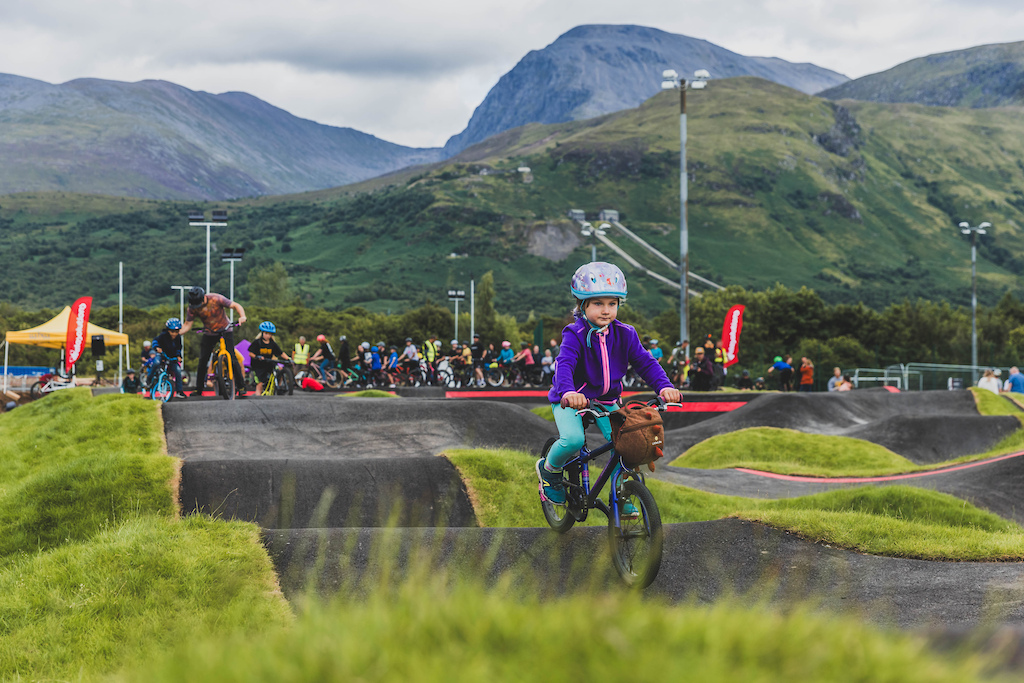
(168, 345)
(264, 351)
(211, 309)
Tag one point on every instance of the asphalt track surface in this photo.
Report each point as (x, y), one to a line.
(329, 479)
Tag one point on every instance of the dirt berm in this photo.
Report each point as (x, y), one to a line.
(330, 461)
(922, 426)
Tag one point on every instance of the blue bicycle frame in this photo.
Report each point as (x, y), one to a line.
(612, 471)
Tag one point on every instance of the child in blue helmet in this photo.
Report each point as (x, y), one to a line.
(168, 345)
(596, 349)
(264, 351)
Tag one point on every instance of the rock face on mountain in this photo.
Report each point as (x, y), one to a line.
(594, 70)
(985, 76)
(160, 140)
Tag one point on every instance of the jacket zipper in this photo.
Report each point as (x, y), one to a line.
(606, 382)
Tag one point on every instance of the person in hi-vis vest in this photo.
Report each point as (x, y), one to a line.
(301, 355)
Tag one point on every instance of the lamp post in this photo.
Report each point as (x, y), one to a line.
(588, 230)
(974, 231)
(456, 295)
(669, 81)
(197, 219)
(232, 256)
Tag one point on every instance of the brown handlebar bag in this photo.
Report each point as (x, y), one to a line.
(638, 434)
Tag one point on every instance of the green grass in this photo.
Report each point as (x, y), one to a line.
(543, 411)
(990, 404)
(899, 521)
(98, 572)
(370, 393)
(72, 464)
(432, 629)
(788, 451)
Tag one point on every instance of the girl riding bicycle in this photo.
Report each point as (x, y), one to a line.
(596, 349)
(264, 352)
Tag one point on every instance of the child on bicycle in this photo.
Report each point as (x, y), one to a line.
(264, 351)
(169, 345)
(596, 349)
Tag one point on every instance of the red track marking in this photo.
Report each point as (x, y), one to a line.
(689, 407)
(707, 407)
(868, 480)
(891, 390)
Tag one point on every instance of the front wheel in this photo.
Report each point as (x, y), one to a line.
(162, 389)
(36, 391)
(494, 376)
(225, 385)
(636, 544)
(284, 385)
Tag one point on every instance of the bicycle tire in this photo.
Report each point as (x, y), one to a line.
(162, 389)
(558, 517)
(36, 390)
(225, 385)
(332, 379)
(186, 378)
(637, 545)
(282, 385)
(494, 377)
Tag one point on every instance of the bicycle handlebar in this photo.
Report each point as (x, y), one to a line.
(657, 402)
(231, 326)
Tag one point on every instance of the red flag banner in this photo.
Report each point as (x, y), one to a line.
(731, 334)
(78, 323)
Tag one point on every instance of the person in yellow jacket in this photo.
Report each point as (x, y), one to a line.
(301, 355)
(429, 354)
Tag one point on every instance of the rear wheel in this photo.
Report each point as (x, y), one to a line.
(36, 391)
(332, 379)
(637, 544)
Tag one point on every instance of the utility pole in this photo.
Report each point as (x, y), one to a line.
(974, 231)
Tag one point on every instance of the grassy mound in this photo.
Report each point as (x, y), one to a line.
(436, 630)
(990, 404)
(371, 393)
(788, 451)
(899, 521)
(98, 571)
(543, 411)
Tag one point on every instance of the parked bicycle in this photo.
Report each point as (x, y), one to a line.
(49, 383)
(636, 541)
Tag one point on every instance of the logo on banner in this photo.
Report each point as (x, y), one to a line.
(78, 322)
(731, 334)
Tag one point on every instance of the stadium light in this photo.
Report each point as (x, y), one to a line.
(197, 219)
(974, 231)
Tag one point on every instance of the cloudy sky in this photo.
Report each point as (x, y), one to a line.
(412, 71)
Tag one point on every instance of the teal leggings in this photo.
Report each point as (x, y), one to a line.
(570, 433)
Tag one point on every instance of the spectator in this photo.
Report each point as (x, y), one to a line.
(744, 383)
(548, 362)
(1015, 383)
(806, 375)
(677, 361)
(759, 384)
(554, 348)
(656, 351)
(846, 384)
(701, 371)
(131, 383)
(989, 381)
(835, 380)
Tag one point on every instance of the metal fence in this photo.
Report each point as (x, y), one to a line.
(922, 376)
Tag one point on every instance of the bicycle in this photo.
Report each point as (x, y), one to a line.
(636, 543)
(223, 368)
(49, 383)
(162, 387)
(331, 378)
(280, 381)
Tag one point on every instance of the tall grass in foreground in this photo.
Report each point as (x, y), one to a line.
(436, 629)
(899, 521)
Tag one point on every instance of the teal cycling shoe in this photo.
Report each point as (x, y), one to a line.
(551, 484)
(629, 511)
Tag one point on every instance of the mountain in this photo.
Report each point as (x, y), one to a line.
(160, 140)
(599, 69)
(985, 76)
(859, 201)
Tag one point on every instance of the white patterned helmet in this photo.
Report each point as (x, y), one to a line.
(598, 279)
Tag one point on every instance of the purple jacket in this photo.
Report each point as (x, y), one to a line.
(597, 372)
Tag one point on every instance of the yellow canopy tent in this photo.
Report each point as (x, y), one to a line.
(54, 333)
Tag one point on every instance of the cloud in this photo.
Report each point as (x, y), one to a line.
(412, 72)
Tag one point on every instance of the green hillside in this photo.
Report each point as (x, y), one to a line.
(859, 201)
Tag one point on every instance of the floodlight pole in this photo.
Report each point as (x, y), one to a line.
(974, 231)
(684, 236)
(181, 315)
(472, 310)
(120, 316)
(207, 225)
